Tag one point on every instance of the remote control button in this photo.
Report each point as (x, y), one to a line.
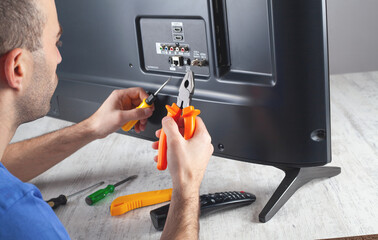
(218, 199)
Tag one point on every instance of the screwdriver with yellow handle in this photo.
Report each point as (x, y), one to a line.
(146, 103)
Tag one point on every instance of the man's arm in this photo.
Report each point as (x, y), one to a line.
(182, 221)
(187, 162)
(27, 159)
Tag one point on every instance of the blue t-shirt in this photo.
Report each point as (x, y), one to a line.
(23, 213)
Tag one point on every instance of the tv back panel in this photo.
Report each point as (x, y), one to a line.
(261, 69)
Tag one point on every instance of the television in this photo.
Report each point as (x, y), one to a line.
(261, 74)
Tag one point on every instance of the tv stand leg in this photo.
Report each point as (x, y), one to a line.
(293, 180)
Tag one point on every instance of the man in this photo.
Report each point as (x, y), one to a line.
(29, 35)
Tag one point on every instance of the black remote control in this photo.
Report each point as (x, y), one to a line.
(209, 203)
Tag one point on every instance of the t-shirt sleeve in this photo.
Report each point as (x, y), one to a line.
(31, 218)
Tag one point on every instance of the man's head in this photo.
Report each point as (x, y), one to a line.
(29, 35)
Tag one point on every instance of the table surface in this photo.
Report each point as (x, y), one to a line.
(345, 205)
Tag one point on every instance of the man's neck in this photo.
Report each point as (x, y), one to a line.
(6, 134)
(7, 125)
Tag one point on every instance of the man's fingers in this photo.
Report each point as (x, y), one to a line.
(200, 125)
(157, 133)
(171, 129)
(155, 145)
(201, 129)
(130, 97)
(141, 126)
(136, 114)
(133, 93)
(143, 121)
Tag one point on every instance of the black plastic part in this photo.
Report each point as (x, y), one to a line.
(151, 99)
(159, 216)
(56, 202)
(88, 201)
(127, 179)
(221, 33)
(209, 203)
(293, 180)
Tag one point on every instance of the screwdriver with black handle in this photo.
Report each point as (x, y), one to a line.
(100, 194)
(146, 103)
(62, 199)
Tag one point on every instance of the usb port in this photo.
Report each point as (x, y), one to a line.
(178, 38)
(177, 29)
(176, 61)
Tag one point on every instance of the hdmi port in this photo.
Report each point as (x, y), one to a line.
(177, 29)
(178, 37)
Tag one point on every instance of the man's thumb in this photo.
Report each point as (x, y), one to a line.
(137, 113)
(170, 128)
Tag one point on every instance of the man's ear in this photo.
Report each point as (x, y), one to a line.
(14, 68)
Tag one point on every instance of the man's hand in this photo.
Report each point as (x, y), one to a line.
(41, 153)
(187, 161)
(118, 109)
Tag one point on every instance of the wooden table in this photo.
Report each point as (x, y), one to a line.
(346, 205)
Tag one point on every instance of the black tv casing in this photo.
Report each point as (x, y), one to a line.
(264, 95)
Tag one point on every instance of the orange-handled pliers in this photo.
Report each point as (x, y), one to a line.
(181, 109)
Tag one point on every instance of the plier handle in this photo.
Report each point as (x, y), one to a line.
(182, 109)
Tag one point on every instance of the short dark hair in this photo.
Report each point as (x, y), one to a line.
(21, 25)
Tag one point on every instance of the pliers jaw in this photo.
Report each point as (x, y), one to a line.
(186, 90)
(184, 110)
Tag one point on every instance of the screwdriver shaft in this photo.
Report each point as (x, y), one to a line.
(162, 86)
(125, 180)
(85, 189)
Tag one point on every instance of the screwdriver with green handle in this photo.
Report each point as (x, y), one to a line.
(146, 103)
(102, 193)
(62, 199)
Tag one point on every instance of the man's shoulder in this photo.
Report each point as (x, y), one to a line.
(24, 213)
(12, 190)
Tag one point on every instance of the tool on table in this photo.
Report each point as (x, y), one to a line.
(127, 203)
(209, 203)
(145, 104)
(189, 114)
(62, 199)
(100, 194)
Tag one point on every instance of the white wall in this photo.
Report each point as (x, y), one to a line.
(353, 35)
